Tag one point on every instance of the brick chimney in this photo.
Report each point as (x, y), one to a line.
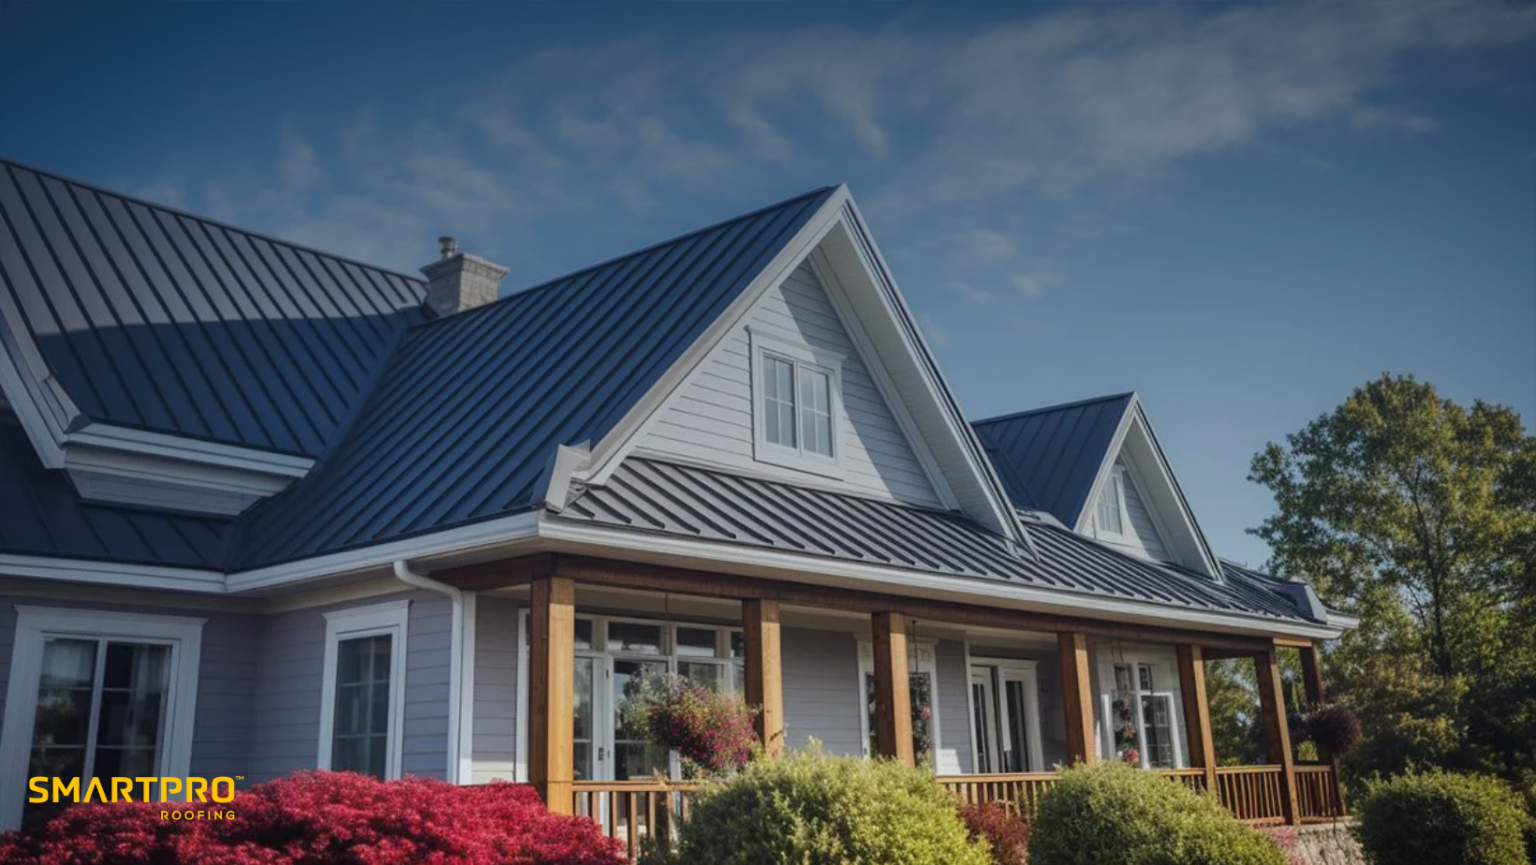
(458, 282)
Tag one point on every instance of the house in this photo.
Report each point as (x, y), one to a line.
(269, 509)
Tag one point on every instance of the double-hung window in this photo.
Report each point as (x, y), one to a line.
(363, 700)
(797, 394)
(96, 695)
(1143, 726)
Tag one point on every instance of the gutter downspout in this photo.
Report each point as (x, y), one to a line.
(460, 670)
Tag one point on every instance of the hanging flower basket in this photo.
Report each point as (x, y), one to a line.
(712, 732)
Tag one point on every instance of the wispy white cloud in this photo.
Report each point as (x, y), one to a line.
(1070, 106)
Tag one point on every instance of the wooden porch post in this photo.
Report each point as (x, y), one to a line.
(1076, 696)
(1311, 677)
(1197, 712)
(551, 691)
(893, 697)
(1277, 732)
(765, 682)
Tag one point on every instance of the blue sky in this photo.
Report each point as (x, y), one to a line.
(1240, 210)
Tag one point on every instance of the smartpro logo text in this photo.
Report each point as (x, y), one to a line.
(189, 791)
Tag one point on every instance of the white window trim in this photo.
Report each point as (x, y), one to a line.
(392, 619)
(1163, 669)
(1029, 670)
(1116, 480)
(921, 654)
(33, 624)
(802, 357)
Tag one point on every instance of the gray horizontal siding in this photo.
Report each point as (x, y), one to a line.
(710, 419)
(821, 697)
(287, 705)
(954, 708)
(494, 750)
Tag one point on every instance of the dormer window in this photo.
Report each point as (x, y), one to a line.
(1112, 518)
(796, 405)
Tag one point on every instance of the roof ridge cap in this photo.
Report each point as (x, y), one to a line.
(1050, 408)
(612, 260)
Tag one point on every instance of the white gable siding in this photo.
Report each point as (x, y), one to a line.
(1143, 539)
(710, 419)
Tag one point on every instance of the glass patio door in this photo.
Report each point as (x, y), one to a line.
(1005, 717)
(633, 756)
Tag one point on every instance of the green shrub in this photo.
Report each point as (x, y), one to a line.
(1113, 814)
(1441, 818)
(810, 809)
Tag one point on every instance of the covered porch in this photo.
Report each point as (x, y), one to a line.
(992, 699)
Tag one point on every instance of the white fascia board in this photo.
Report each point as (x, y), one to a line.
(1106, 467)
(567, 536)
(1186, 513)
(112, 573)
(190, 450)
(916, 345)
(630, 430)
(483, 537)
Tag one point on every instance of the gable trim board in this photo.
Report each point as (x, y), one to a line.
(988, 505)
(1134, 423)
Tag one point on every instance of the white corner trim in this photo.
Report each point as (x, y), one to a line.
(630, 430)
(390, 619)
(34, 624)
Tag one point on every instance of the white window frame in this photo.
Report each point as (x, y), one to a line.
(922, 657)
(1165, 669)
(1116, 481)
(35, 624)
(390, 619)
(998, 671)
(801, 357)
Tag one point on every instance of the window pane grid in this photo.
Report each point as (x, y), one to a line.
(360, 728)
(797, 406)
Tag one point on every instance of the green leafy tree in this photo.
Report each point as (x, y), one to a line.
(1418, 515)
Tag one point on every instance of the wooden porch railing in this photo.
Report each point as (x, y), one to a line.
(1317, 794)
(1254, 794)
(633, 811)
(1019, 793)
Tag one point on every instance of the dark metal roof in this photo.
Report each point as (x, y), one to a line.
(465, 422)
(41, 515)
(672, 499)
(160, 320)
(1048, 458)
(664, 498)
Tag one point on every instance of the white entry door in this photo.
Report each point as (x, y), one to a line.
(1005, 702)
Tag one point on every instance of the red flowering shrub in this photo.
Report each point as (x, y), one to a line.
(1006, 833)
(325, 818)
(709, 730)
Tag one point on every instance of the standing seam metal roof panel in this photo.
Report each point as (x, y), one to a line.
(656, 497)
(155, 319)
(1049, 458)
(466, 419)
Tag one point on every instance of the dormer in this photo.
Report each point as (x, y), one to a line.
(1096, 467)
